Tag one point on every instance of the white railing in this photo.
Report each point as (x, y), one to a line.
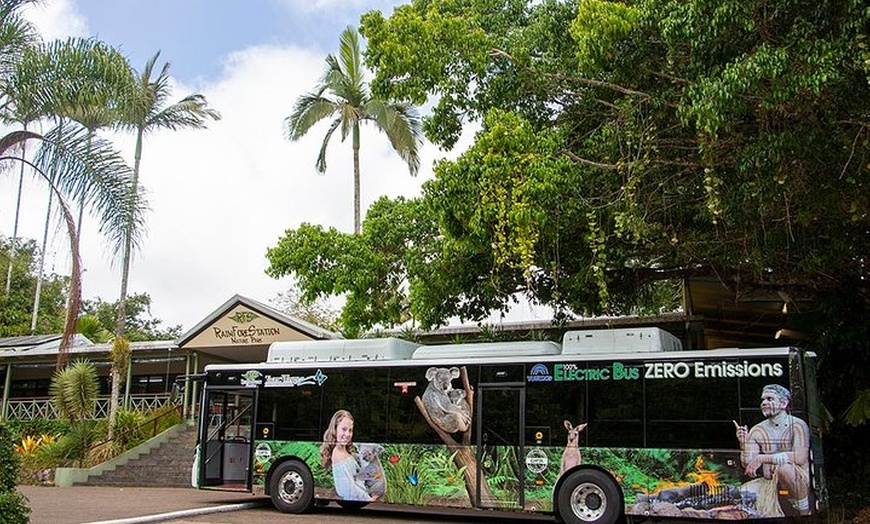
(37, 408)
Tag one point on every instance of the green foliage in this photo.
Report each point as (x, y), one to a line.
(74, 391)
(73, 446)
(91, 327)
(600, 28)
(168, 415)
(16, 307)
(129, 429)
(40, 426)
(13, 505)
(308, 452)
(859, 410)
(441, 476)
(664, 138)
(369, 269)
(8, 461)
(139, 325)
(500, 467)
(120, 357)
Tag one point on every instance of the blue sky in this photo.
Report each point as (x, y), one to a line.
(220, 197)
(195, 35)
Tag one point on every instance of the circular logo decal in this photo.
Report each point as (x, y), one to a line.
(263, 452)
(536, 460)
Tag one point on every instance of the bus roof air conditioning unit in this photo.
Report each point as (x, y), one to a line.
(339, 350)
(487, 349)
(629, 340)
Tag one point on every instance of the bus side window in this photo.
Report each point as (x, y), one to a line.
(294, 412)
(615, 412)
(405, 423)
(362, 392)
(691, 412)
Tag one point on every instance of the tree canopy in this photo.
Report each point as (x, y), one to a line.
(140, 325)
(15, 307)
(622, 145)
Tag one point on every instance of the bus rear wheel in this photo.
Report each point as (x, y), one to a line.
(292, 487)
(588, 497)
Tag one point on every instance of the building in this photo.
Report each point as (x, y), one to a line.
(239, 330)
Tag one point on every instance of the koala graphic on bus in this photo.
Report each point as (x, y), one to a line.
(446, 406)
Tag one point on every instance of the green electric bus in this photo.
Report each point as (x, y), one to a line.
(605, 425)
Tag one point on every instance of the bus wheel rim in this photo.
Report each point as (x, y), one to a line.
(588, 502)
(291, 487)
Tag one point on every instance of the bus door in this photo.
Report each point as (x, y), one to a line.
(500, 446)
(226, 440)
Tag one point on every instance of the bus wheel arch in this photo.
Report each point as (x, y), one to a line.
(588, 495)
(290, 485)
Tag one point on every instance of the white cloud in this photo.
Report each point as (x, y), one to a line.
(57, 19)
(220, 197)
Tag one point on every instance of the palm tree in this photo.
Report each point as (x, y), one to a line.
(82, 80)
(343, 94)
(145, 113)
(18, 34)
(71, 163)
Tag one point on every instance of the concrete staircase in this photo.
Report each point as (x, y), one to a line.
(164, 461)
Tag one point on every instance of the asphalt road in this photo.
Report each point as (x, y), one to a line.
(369, 515)
(90, 504)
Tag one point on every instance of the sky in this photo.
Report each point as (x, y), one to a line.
(220, 197)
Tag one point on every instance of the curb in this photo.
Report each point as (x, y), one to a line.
(160, 517)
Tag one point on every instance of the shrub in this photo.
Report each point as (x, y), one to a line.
(35, 463)
(13, 505)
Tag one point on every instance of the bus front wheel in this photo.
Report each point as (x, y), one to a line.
(292, 487)
(588, 497)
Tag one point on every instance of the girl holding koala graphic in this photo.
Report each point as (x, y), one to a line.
(337, 452)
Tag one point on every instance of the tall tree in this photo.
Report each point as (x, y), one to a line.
(18, 36)
(140, 325)
(80, 80)
(35, 83)
(15, 306)
(344, 96)
(147, 112)
(649, 140)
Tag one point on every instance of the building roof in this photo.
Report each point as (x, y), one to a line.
(307, 328)
(45, 347)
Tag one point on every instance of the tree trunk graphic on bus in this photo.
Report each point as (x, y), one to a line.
(448, 412)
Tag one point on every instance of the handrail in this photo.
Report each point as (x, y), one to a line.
(152, 421)
(226, 424)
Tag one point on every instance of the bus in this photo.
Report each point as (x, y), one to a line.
(604, 426)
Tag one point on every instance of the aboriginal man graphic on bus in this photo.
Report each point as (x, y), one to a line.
(775, 453)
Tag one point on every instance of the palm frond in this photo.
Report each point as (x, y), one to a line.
(320, 165)
(16, 35)
(189, 113)
(402, 124)
(88, 169)
(350, 56)
(307, 111)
